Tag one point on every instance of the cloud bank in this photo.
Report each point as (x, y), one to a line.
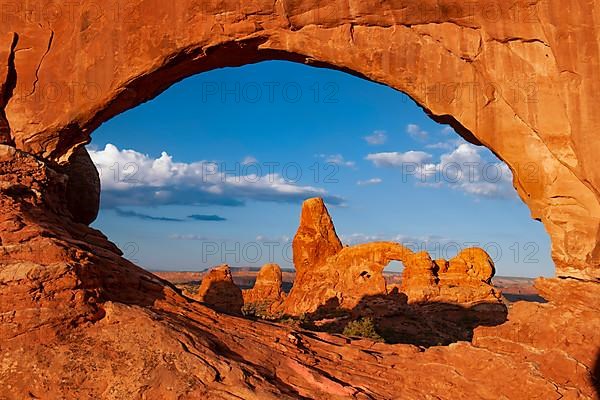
(130, 178)
(465, 168)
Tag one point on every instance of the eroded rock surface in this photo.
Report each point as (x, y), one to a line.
(83, 187)
(316, 239)
(267, 292)
(467, 278)
(218, 291)
(72, 310)
(494, 71)
(330, 276)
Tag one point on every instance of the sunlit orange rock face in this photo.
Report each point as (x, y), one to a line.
(464, 279)
(267, 290)
(79, 321)
(496, 71)
(328, 274)
(218, 291)
(331, 276)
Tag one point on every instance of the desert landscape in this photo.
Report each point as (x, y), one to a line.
(513, 288)
(446, 303)
(80, 319)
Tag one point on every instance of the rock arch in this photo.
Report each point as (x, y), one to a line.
(331, 276)
(530, 69)
(507, 76)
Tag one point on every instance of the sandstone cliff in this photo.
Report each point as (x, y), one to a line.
(495, 71)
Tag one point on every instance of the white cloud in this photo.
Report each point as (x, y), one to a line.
(132, 178)
(249, 160)
(440, 146)
(464, 168)
(372, 181)
(337, 159)
(376, 138)
(357, 238)
(448, 130)
(396, 159)
(266, 239)
(416, 132)
(450, 144)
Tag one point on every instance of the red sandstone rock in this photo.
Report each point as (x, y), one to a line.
(475, 263)
(345, 279)
(465, 279)
(493, 71)
(83, 187)
(328, 279)
(7, 82)
(267, 290)
(218, 291)
(79, 321)
(420, 279)
(329, 275)
(316, 239)
(469, 278)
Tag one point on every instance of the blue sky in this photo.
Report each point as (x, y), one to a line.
(215, 169)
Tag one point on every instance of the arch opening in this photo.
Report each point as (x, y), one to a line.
(191, 222)
(422, 62)
(372, 155)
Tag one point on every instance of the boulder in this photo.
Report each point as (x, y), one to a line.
(267, 293)
(218, 291)
(465, 279)
(83, 187)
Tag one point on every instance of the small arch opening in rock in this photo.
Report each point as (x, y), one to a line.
(393, 274)
(365, 274)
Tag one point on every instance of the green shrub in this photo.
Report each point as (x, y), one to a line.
(364, 327)
(258, 309)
